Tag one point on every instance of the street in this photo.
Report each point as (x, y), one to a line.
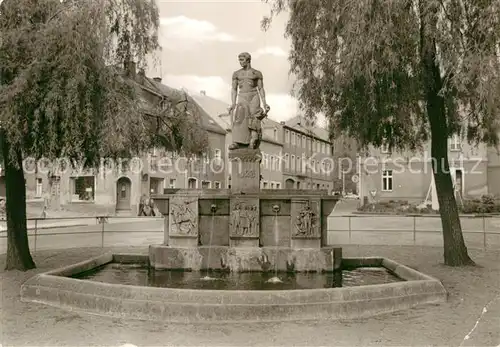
(402, 230)
(125, 232)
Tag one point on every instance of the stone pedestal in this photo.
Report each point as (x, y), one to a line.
(245, 170)
(183, 220)
(244, 222)
(305, 223)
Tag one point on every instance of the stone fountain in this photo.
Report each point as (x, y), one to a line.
(242, 229)
(248, 227)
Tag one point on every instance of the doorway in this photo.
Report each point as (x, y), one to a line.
(289, 184)
(123, 190)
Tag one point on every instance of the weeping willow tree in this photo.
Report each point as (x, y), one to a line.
(64, 93)
(402, 73)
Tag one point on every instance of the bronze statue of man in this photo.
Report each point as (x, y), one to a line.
(246, 112)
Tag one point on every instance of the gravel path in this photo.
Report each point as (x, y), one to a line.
(471, 289)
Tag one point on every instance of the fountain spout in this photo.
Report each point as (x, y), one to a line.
(213, 208)
(264, 262)
(290, 264)
(223, 264)
(276, 208)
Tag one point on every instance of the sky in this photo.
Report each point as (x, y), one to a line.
(201, 41)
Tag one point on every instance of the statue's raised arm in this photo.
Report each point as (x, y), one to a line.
(246, 94)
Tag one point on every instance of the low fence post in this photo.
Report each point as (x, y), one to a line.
(350, 231)
(36, 231)
(414, 230)
(484, 232)
(102, 221)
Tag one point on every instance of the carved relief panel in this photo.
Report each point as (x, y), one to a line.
(244, 218)
(183, 216)
(306, 218)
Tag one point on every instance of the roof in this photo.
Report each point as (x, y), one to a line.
(176, 95)
(300, 124)
(217, 109)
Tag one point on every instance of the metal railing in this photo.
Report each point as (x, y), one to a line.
(88, 231)
(480, 231)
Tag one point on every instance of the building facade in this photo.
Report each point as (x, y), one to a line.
(307, 156)
(119, 186)
(493, 171)
(408, 176)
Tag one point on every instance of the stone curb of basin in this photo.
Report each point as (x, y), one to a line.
(56, 288)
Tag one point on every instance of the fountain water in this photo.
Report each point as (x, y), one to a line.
(213, 209)
(276, 279)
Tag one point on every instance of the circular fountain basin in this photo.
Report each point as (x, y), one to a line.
(60, 288)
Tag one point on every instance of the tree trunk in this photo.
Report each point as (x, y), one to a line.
(18, 250)
(455, 251)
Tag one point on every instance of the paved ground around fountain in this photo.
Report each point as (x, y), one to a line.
(471, 289)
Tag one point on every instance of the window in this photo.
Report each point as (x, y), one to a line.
(206, 184)
(192, 183)
(287, 161)
(298, 164)
(387, 181)
(83, 188)
(265, 160)
(293, 162)
(264, 184)
(155, 185)
(455, 143)
(275, 134)
(172, 183)
(217, 185)
(272, 185)
(272, 163)
(287, 136)
(218, 154)
(303, 141)
(278, 185)
(293, 138)
(313, 165)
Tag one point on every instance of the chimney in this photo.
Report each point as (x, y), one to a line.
(157, 79)
(204, 93)
(130, 68)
